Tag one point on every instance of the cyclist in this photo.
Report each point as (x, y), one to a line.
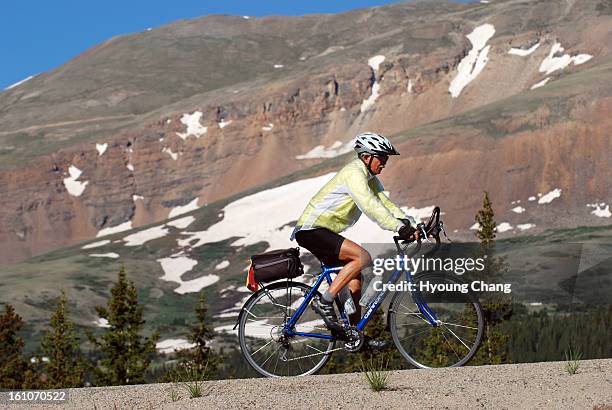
(336, 207)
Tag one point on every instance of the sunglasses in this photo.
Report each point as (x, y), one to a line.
(382, 158)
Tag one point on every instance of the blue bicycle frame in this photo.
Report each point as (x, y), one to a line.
(371, 308)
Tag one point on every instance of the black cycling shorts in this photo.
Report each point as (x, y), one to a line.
(322, 243)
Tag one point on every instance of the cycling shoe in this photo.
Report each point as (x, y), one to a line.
(327, 312)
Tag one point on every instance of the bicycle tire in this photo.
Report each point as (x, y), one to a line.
(317, 350)
(452, 343)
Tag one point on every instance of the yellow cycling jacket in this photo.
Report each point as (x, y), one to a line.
(339, 204)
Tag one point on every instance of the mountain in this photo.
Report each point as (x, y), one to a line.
(206, 108)
(196, 144)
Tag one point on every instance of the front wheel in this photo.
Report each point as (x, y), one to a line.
(457, 336)
(262, 340)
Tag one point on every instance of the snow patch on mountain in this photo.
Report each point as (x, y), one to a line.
(268, 127)
(473, 64)
(222, 124)
(523, 53)
(179, 210)
(369, 102)
(74, 187)
(96, 244)
(551, 63)
(374, 63)
(540, 84)
(524, 227)
(548, 198)
(600, 211)
(101, 322)
(192, 121)
(142, 237)
(170, 345)
(105, 255)
(222, 265)
(101, 148)
(175, 267)
(337, 148)
(518, 210)
(182, 223)
(126, 226)
(504, 226)
(137, 197)
(173, 155)
(18, 83)
(130, 167)
(281, 205)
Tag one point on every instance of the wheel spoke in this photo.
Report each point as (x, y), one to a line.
(453, 333)
(455, 338)
(416, 334)
(256, 351)
(454, 324)
(451, 346)
(271, 354)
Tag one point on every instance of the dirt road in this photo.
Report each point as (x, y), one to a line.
(521, 386)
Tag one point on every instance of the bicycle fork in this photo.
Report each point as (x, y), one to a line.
(424, 308)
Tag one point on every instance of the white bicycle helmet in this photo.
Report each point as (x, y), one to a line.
(374, 144)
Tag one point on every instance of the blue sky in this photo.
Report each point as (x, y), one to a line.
(39, 36)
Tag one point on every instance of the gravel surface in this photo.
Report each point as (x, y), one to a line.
(534, 385)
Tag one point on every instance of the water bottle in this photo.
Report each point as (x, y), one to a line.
(347, 301)
(370, 293)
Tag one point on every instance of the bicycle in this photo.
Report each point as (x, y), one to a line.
(280, 336)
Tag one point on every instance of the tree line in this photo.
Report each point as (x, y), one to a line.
(122, 355)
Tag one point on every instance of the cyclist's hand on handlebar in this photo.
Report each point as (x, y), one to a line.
(407, 232)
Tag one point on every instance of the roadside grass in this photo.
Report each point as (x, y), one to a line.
(174, 394)
(190, 377)
(572, 360)
(376, 373)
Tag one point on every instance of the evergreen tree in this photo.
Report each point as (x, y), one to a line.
(65, 367)
(496, 309)
(199, 361)
(13, 366)
(126, 354)
(201, 356)
(487, 225)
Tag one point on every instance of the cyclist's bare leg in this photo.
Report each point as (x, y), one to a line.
(357, 258)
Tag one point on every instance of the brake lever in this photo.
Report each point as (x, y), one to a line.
(441, 224)
(422, 232)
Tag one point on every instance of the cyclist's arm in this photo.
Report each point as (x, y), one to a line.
(370, 204)
(394, 209)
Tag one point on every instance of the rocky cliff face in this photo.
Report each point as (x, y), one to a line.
(163, 121)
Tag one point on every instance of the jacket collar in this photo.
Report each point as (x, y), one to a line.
(365, 169)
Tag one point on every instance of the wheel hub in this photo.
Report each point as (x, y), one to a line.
(277, 334)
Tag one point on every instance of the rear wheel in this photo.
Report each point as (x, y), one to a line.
(457, 336)
(262, 340)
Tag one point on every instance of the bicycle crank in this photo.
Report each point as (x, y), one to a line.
(356, 340)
